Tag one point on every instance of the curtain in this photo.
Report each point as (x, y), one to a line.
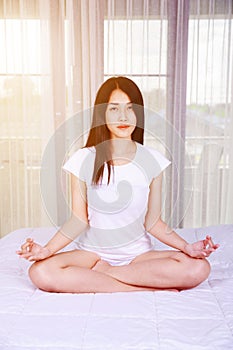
(26, 111)
(177, 42)
(209, 117)
(180, 54)
(76, 29)
(51, 65)
(136, 46)
(54, 56)
(81, 27)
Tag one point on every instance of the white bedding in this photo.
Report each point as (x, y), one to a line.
(200, 318)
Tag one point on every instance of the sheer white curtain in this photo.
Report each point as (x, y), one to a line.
(51, 64)
(55, 54)
(26, 111)
(147, 41)
(177, 42)
(209, 123)
(76, 28)
(180, 54)
(136, 46)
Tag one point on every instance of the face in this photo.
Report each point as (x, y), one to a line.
(120, 117)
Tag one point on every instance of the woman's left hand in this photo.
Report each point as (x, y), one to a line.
(201, 249)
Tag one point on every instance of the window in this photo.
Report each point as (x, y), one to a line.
(22, 80)
(137, 48)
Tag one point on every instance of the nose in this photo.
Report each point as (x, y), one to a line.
(122, 114)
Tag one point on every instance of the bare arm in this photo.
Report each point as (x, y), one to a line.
(78, 221)
(154, 224)
(72, 228)
(160, 230)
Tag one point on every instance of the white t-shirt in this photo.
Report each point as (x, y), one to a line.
(116, 211)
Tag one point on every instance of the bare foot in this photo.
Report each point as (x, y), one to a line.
(171, 290)
(101, 266)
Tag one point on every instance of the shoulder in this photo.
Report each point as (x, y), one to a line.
(161, 159)
(81, 160)
(82, 153)
(148, 151)
(154, 162)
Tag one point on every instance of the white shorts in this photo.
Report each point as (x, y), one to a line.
(125, 254)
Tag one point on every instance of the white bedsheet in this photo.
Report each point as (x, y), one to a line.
(200, 318)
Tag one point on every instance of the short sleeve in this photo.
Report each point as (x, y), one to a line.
(151, 161)
(162, 161)
(79, 163)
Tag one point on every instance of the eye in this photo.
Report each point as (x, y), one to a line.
(130, 107)
(113, 109)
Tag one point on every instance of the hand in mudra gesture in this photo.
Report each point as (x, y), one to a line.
(201, 249)
(33, 251)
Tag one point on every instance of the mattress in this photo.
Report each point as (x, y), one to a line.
(199, 318)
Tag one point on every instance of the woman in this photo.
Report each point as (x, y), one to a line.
(116, 204)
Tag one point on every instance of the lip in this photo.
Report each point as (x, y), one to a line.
(123, 126)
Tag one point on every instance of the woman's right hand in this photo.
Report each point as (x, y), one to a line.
(33, 251)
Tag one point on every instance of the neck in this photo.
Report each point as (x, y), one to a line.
(122, 147)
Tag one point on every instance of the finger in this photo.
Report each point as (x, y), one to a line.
(212, 248)
(35, 258)
(201, 245)
(19, 252)
(201, 254)
(206, 239)
(204, 253)
(210, 241)
(32, 258)
(26, 246)
(28, 241)
(208, 251)
(25, 255)
(207, 243)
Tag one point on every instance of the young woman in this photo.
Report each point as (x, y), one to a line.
(116, 205)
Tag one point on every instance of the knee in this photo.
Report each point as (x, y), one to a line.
(198, 271)
(40, 277)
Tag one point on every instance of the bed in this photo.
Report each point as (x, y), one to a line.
(200, 318)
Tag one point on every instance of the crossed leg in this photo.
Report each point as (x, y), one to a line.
(161, 269)
(71, 272)
(84, 272)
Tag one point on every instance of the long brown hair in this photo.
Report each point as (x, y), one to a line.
(99, 132)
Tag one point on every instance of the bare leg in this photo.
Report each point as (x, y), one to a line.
(164, 270)
(71, 272)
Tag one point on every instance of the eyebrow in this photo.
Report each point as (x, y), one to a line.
(116, 103)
